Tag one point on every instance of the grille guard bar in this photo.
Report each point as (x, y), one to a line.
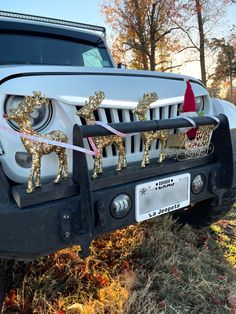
(152, 125)
(221, 140)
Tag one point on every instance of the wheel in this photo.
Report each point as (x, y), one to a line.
(207, 212)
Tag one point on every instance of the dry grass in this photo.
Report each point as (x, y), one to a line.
(155, 267)
(181, 271)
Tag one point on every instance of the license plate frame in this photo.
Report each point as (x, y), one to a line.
(160, 196)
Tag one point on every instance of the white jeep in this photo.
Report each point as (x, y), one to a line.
(68, 62)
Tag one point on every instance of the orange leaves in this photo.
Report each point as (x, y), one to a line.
(64, 283)
(139, 29)
(198, 7)
(11, 298)
(102, 281)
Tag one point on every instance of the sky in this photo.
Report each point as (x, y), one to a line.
(85, 11)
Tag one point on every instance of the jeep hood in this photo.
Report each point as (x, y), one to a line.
(73, 85)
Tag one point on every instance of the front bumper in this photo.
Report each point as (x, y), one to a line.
(38, 230)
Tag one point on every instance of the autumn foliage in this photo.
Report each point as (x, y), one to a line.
(142, 28)
(162, 35)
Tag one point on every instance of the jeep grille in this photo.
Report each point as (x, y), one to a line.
(133, 144)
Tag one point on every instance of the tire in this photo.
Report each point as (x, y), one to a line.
(206, 212)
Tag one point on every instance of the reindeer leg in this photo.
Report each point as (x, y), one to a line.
(100, 164)
(123, 155)
(145, 155)
(122, 163)
(143, 164)
(37, 173)
(163, 146)
(60, 168)
(30, 187)
(63, 166)
(97, 168)
(163, 142)
(124, 160)
(59, 172)
(119, 150)
(65, 173)
(161, 153)
(100, 170)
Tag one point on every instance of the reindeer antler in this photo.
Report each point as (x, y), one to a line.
(94, 101)
(145, 102)
(147, 99)
(35, 101)
(40, 100)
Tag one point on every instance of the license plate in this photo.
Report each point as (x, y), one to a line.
(162, 196)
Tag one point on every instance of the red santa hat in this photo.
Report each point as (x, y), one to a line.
(189, 104)
(189, 109)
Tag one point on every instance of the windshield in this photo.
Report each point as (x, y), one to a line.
(27, 49)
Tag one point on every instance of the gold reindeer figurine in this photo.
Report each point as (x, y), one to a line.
(21, 115)
(150, 136)
(86, 112)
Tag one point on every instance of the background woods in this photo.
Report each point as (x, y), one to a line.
(165, 35)
(200, 19)
(143, 29)
(225, 70)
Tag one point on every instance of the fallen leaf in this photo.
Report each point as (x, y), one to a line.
(75, 308)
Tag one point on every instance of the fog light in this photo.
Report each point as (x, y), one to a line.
(23, 159)
(198, 183)
(120, 206)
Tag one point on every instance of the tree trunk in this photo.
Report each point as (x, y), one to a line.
(140, 30)
(231, 85)
(152, 38)
(202, 41)
(153, 59)
(144, 60)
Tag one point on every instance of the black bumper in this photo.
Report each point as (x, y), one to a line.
(38, 230)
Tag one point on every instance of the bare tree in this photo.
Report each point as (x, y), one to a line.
(199, 19)
(201, 40)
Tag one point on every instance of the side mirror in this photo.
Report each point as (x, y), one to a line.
(121, 65)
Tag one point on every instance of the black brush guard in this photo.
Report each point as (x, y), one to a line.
(76, 212)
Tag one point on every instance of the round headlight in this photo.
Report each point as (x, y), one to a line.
(39, 118)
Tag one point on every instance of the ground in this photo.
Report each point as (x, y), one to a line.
(153, 267)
